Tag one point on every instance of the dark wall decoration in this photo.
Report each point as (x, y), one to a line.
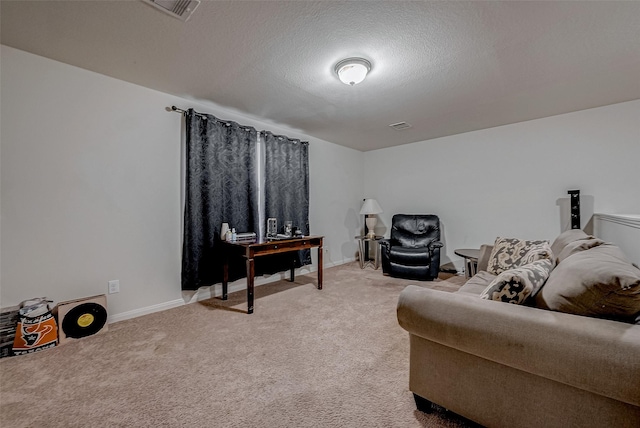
(575, 208)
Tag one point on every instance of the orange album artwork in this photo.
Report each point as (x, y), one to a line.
(35, 334)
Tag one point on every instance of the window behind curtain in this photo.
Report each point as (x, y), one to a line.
(286, 192)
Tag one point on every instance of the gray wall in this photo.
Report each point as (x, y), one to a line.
(512, 180)
(91, 177)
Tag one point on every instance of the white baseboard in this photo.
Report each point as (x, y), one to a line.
(342, 262)
(145, 311)
(215, 290)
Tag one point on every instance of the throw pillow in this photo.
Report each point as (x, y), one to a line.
(577, 246)
(509, 253)
(567, 237)
(598, 282)
(477, 283)
(515, 285)
(537, 252)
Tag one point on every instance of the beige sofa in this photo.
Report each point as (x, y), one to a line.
(506, 365)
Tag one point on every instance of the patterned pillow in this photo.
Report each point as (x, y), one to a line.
(516, 285)
(538, 252)
(509, 253)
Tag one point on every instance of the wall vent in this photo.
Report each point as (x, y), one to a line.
(400, 126)
(181, 9)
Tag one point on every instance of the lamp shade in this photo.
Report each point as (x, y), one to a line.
(370, 206)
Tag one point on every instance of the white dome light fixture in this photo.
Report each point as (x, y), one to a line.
(352, 71)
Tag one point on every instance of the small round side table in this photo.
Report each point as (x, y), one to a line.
(364, 258)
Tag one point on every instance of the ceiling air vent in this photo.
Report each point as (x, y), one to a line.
(181, 9)
(400, 126)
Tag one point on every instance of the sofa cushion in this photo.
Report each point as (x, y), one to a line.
(516, 285)
(509, 253)
(477, 283)
(567, 237)
(598, 282)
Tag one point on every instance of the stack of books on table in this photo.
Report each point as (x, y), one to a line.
(8, 324)
(246, 236)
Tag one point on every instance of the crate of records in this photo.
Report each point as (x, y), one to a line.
(8, 324)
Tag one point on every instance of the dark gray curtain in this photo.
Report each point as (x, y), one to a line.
(286, 192)
(221, 186)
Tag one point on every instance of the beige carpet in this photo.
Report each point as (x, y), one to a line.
(306, 358)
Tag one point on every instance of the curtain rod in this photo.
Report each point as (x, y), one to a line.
(203, 115)
(207, 116)
(182, 111)
(280, 137)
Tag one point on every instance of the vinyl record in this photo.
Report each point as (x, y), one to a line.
(84, 320)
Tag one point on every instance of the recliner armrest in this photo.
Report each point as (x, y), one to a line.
(385, 244)
(435, 244)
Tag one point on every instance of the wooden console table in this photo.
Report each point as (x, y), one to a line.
(252, 249)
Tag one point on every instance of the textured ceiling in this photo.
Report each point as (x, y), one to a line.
(443, 67)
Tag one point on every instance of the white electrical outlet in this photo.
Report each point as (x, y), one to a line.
(114, 286)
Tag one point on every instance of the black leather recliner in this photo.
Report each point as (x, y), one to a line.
(413, 251)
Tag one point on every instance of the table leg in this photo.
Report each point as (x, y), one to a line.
(225, 278)
(293, 269)
(470, 268)
(365, 245)
(250, 274)
(376, 257)
(320, 267)
(361, 247)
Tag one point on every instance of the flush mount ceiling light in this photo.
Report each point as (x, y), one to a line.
(352, 71)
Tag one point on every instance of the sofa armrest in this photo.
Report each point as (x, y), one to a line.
(592, 354)
(483, 258)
